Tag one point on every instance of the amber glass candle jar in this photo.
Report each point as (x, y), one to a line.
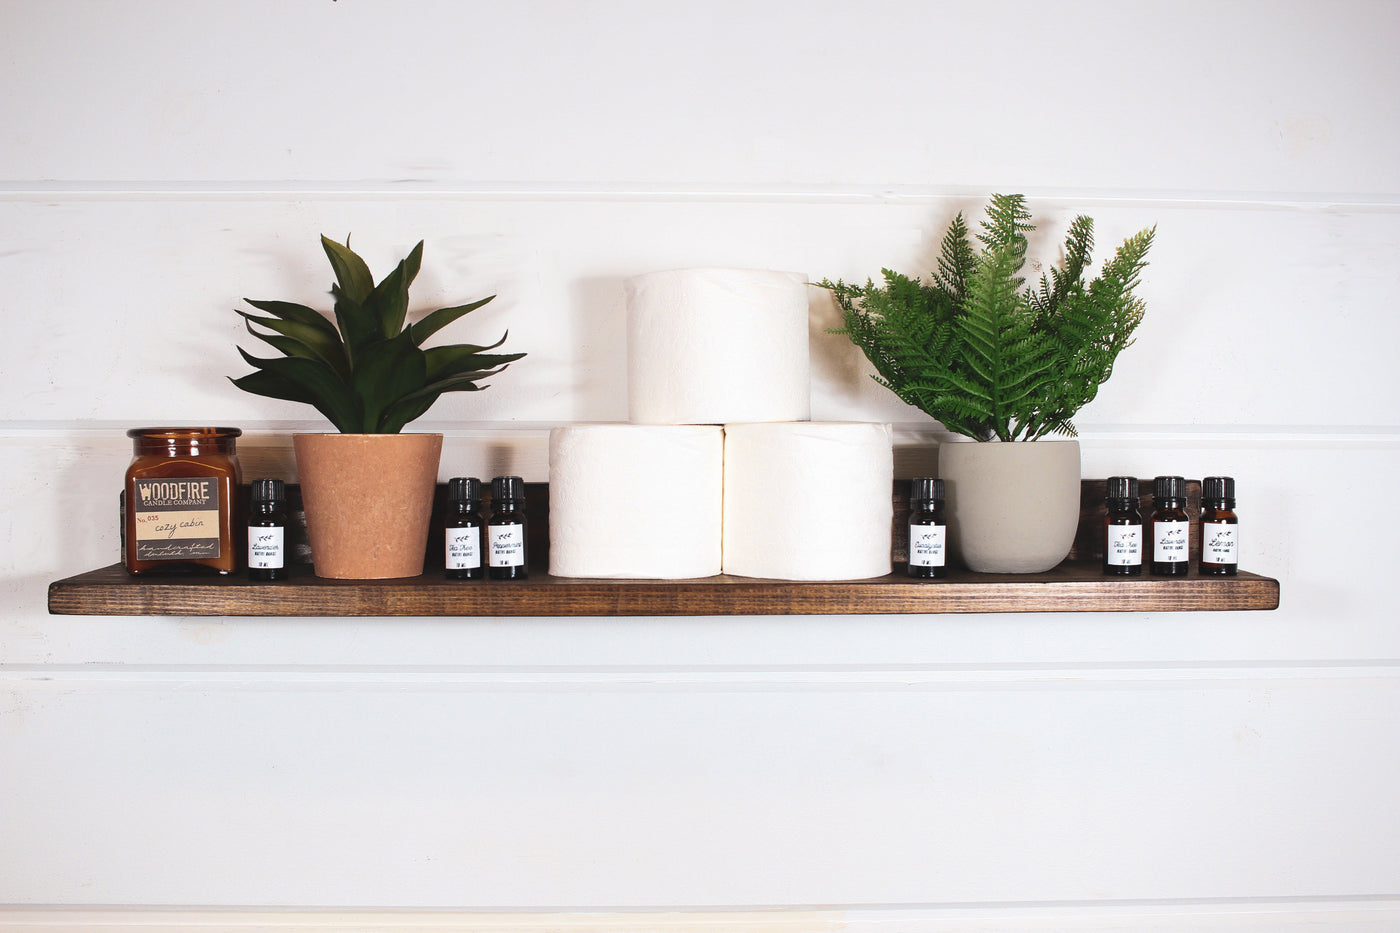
(181, 500)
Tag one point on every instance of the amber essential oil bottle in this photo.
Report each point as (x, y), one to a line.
(1171, 528)
(928, 531)
(1220, 527)
(1122, 553)
(462, 547)
(505, 529)
(267, 530)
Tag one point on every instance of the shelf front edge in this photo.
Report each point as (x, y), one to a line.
(1069, 588)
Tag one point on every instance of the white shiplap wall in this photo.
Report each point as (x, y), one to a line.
(161, 160)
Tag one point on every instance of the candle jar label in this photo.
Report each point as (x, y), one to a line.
(177, 519)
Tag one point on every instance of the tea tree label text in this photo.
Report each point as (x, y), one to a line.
(1125, 545)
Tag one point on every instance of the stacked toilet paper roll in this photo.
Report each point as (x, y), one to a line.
(713, 346)
(672, 495)
(808, 501)
(635, 501)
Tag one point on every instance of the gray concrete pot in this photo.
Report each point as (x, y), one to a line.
(1012, 507)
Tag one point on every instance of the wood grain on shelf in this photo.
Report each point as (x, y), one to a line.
(1071, 587)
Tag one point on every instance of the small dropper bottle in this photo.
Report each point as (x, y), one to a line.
(1220, 527)
(462, 548)
(267, 530)
(928, 531)
(1122, 553)
(505, 530)
(1171, 528)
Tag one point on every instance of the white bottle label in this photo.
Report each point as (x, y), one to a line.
(926, 545)
(1171, 542)
(507, 545)
(265, 548)
(463, 548)
(1220, 543)
(1124, 546)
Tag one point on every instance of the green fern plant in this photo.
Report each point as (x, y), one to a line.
(982, 353)
(367, 371)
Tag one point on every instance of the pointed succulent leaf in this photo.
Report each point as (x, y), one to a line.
(385, 372)
(459, 358)
(466, 382)
(261, 382)
(388, 303)
(473, 348)
(318, 383)
(304, 340)
(440, 318)
(351, 273)
(274, 386)
(301, 314)
(286, 345)
(402, 413)
(358, 326)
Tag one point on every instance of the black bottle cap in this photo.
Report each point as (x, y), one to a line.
(1218, 487)
(1121, 487)
(925, 489)
(268, 490)
(463, 489)
(1169, 487)
(504, 488)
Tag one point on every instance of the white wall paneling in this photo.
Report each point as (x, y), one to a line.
(653, 788)
(160, 161)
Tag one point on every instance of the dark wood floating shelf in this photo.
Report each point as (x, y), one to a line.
(1077, 585)
(1071, 587)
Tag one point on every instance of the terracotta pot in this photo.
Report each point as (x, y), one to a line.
(1012, 507)
(369, 499)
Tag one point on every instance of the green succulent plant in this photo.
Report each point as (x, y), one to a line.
(982, 355)
(367, 371)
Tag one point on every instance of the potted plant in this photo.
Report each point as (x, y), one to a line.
(368, 490)
(1001, 363)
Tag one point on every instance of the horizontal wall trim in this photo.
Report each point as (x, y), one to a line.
(1235, 435)
(266, 447)
(1355, 913)
(693, 678)
(465, 189)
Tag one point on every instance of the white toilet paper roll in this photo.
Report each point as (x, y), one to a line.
(808, 501)
(710, 346)
(635, 501)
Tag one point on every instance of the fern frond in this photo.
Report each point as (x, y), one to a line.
(1079, 246)
(981, 353)
(956, 261)
(1007, 223)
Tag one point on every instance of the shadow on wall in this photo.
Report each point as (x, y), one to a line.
(599, 315)
(841, 385)
(837, 364)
